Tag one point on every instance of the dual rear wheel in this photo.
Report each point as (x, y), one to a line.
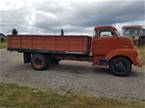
(41, 61)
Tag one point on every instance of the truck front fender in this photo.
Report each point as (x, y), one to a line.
(129, 53)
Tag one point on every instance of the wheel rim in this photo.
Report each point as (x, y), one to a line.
(37, 63)
(120, 66)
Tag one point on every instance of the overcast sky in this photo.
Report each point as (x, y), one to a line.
(74, 16)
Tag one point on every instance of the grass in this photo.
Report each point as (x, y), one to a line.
(142, 53)
(14, 96)
(3, 45)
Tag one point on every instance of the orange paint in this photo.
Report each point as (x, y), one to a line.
(69, 43)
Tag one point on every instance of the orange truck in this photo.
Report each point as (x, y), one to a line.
(105, 48)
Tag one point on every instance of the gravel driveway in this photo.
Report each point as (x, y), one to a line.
(77, 76)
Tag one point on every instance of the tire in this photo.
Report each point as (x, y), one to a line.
(39, 62)
(120, 66)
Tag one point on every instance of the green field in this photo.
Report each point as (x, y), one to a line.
(3, 45)
(13, 96)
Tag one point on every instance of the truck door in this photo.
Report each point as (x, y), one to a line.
(104, 41)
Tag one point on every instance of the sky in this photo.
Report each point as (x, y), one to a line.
(74, 16)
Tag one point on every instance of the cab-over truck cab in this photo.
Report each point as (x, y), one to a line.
(109, 48)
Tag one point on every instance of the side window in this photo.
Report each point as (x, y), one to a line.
(106, 33)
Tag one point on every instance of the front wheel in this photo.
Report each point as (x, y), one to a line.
(120, 66)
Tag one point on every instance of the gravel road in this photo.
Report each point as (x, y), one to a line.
(76, 76)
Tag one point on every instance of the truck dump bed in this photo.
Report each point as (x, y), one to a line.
(50, 43)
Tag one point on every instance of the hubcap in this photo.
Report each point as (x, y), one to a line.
(121, 66)
(38, 62)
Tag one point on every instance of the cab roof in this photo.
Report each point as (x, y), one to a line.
(103, 27)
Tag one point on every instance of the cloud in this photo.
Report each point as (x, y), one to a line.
(75, 16)
(13, 18)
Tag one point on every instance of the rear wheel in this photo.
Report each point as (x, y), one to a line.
(120, 66)
(39, 62)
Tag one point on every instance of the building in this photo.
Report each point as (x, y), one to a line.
(2, 37)
(135, 30)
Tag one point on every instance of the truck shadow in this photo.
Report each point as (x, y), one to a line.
(78, 68)
(73, 68)
(87, 68)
